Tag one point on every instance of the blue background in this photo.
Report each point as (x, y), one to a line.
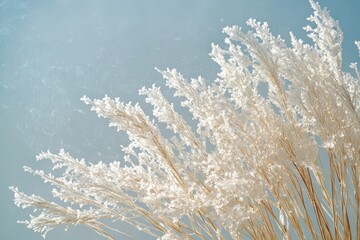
(52, 52)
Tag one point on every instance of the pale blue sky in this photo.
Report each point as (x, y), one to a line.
(52, 52)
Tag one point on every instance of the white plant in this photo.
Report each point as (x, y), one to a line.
(282, 162)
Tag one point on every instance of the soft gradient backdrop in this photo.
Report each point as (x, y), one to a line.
(52, 52)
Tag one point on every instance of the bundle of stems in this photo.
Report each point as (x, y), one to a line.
(273, 151)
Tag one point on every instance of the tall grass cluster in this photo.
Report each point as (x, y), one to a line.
(274, 153)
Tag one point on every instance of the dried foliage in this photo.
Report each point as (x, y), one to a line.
(281, 162)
